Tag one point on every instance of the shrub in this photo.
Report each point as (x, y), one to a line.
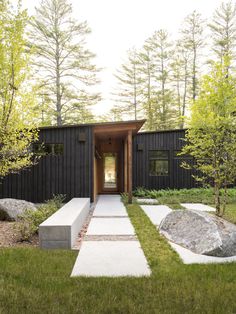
(29, 222)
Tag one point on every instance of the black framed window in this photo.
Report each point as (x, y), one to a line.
(158, 162)
(43, 149)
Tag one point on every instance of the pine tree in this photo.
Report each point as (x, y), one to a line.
(223, 31)
(62, 59)
(181, 75)
(129, 85)
(193, 41)
(161, 103)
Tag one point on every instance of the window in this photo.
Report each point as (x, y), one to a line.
(42, 149)
(159, 163)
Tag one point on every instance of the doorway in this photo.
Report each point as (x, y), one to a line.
(110, 175)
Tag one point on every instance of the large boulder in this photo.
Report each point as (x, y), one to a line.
(200, 232)
(11, 209)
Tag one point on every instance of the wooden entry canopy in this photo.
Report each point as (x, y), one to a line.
(118, 131)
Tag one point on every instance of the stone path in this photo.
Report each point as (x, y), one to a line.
(110, 247)
(156, 212)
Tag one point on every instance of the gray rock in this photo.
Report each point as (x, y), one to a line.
(200, 232)
(11, 209)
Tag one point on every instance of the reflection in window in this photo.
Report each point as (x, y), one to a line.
(110, 171)
(158, 163)
(41, 149)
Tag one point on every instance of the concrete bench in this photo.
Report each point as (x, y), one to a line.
(61, 229)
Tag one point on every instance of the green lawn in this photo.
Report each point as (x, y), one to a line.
(37, 281)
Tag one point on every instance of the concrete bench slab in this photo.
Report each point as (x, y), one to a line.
(111, 259)
(110, 226)
(61, 229)
(198, 206)
(156, 212)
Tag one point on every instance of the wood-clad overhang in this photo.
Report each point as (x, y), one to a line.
(125, 131)
(117, 129)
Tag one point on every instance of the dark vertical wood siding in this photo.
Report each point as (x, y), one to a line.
(70, 173)
(166, 140)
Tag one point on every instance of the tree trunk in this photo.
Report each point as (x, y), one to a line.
(217, 199)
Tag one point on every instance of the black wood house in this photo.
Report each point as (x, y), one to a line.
(101, 158)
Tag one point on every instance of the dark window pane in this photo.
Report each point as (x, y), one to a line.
(158, 154)
(58, 149)
(48, 149)
(158, 167)
(38, 149)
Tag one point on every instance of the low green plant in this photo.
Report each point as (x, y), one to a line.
(174, 196)
(29, 222)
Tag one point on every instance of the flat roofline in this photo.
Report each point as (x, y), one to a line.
(95, 124)
(162, 131)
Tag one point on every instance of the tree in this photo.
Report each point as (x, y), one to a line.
(211, 137)
(181, 75)
(62, 58)
(223, 31)
(17, 128)
(129, 81)
(147, 68)
(192, 41)
(163, 109)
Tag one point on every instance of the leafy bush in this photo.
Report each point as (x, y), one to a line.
(29, 222)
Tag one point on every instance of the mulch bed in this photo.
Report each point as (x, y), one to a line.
(9, 236)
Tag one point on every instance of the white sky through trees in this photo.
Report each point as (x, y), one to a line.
(118, 25)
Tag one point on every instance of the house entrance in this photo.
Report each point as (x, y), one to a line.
(110, 175)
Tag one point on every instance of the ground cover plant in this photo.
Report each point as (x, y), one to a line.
(36, 281)
(29, 222)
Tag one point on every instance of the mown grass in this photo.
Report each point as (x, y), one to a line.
(37, 281)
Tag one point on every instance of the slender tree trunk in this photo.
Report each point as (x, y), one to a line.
(135, 94)
(217, 199)
(194, 73)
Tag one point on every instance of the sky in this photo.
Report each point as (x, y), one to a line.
(118, 25)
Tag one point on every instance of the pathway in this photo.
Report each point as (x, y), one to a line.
(110, 247)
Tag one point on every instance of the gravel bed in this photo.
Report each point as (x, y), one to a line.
(9, 236)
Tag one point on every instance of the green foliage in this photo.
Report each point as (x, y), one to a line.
(17, 97)
(29, 222)
(211, 137)
(195, 195)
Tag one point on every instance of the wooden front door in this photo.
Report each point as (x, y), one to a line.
(110, 174)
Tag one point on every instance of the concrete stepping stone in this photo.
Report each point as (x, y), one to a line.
(111, 259)
(150, 201)
(110, 209)
(110, 226)
(156, 212)
(198, 206)
(188, 257)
